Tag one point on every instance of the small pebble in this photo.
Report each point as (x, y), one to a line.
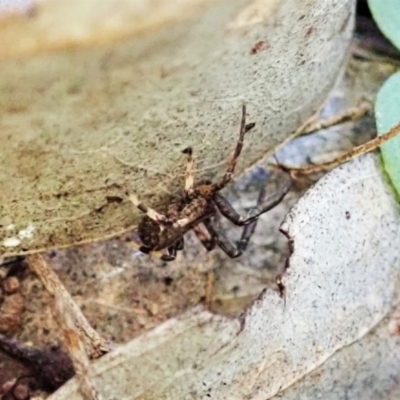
(7, 386)
(11, 285)
(3, 272)
(11, 311)
(21, 392)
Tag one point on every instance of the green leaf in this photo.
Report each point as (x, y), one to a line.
(387, 113)
(386, 14)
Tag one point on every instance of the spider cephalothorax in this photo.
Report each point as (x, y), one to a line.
(195, 209)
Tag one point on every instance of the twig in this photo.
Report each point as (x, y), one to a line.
(350, 114)
(76, 329)
(355, 152)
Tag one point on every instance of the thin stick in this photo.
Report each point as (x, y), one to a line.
(355, 152)
(350, 114)
(76, 329)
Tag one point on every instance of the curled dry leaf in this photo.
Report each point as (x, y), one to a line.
(342, 285)
(83, 124)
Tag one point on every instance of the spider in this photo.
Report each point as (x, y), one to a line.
(195, 210)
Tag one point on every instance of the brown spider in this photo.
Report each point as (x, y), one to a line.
(198, 205)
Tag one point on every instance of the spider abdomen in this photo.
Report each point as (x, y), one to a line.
(149, 232)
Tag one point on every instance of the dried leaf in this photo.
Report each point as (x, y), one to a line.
(342, 284)
(83, 124)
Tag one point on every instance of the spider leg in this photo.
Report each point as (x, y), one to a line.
(207, 242)
(249, 229)
(153, 214)
(180, 244)
(222, 241)
(194, 218)
(169, 256)
(144, 250)
(189, 179)
(229, 212)
(239, 145)
(172, 250)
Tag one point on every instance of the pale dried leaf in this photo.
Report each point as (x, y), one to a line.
(343, 281)
(82, 125)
